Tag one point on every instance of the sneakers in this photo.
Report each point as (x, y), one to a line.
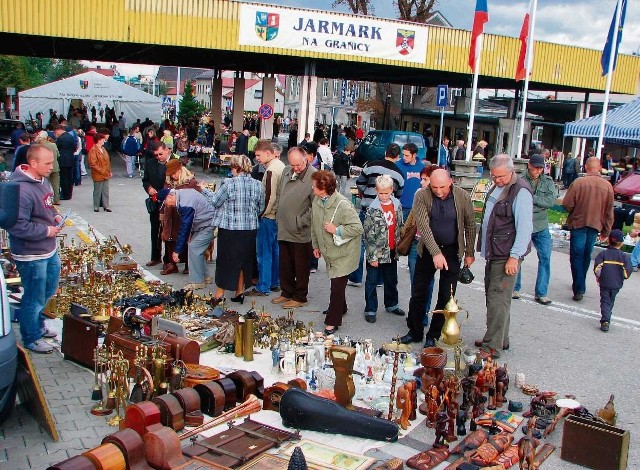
(40, 347)
(397, 311)
(543, 300)
(515, 295)
(195, 286)
(280, 300)
(46, 333)
(293, 304)
(354, 284)
(604, 326)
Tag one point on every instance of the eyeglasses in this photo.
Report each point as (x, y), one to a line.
(497, 177)
(158, 154)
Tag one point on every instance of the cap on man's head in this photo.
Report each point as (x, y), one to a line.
(536, 161)
(163, 193)
(616, 236)
(173, 166)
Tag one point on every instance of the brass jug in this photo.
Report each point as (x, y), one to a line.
(451, 327)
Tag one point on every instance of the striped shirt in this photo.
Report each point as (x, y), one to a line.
(366, 182)
(238, 202)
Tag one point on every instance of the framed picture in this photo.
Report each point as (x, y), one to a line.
(330, 457)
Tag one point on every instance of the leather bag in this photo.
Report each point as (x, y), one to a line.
(406, 239)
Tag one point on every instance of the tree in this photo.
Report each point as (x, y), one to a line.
(358, 7)
(14, 72)
(189, 106)
(417, 11)
(64, 68)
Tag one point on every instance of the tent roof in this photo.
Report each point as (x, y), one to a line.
(621, 127)
(90, 86)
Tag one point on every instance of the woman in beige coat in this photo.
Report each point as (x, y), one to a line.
(332, 213)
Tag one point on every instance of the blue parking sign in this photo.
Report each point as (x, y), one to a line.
(442, 96)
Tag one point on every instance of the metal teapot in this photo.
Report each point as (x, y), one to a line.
(451, 327)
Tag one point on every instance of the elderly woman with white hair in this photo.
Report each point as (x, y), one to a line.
(43, 138)
(238, 202)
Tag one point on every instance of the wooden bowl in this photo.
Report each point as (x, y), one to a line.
(433, 357)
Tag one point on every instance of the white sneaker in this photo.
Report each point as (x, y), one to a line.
(40, 347)
(354, 284)
(515, 295)
(47, 333)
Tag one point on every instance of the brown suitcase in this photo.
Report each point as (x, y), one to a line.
(593, 444)
(127, 344)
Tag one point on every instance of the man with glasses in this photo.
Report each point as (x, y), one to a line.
(503, 241)
(152, 182)
(293, 216)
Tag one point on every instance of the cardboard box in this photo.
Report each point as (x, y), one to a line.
(594, 444)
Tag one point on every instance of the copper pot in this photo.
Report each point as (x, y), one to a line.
(433, 357)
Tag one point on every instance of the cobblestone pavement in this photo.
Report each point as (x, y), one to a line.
(558, 347)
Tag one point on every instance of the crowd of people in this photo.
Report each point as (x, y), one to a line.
(274, 221)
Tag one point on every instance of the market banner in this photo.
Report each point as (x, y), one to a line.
(334, 33)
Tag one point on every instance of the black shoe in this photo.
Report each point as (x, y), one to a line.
(578, 296)
(398, 312)
(330, 332)
(370, 318)
(275, 289)
(408, 338)
(604, 326)
(429, 342)
(238, 298)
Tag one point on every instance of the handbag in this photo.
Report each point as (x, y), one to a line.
(152, 205)
(406, 239)
(337, 239)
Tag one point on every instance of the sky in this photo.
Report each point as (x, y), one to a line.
(583, 23)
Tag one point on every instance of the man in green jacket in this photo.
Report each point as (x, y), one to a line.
(544, 196)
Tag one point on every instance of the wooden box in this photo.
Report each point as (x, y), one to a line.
(127, 344)
(594, 445)
(79, 339)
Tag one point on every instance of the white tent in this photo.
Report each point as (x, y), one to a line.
(93, 89)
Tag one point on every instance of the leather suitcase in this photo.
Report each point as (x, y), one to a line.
(127, 344)
(184, 349)
(593, 444)
(79, 339)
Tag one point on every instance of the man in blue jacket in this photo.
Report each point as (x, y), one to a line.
(33, 246)
(196, 231)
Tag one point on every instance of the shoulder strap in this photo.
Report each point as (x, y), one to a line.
(334, 212)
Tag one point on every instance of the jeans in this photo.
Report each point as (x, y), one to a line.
(542, 242)
(198, 244)
(40, 282)
(607, 298)
(343, 185)
(389, 273)
(129, 163)
(580, 249)
(268, 256)
(77, 176)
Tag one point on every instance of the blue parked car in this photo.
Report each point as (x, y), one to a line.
(375, 143)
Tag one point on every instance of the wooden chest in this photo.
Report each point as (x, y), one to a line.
(127, 344)
(79, 339)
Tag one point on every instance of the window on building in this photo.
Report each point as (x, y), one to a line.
(325, 88)
(292, 86)
(324, 118)
(298, 83)
(367, 90)
(336, 88)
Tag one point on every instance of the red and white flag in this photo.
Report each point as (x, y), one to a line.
(481, 16)
(526, 46)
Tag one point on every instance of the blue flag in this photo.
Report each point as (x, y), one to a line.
(606, 53)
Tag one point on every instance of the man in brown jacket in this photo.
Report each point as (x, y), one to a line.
(293, 216)
(589, 201)
(447, 229)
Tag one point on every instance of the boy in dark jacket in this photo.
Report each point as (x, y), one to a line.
(611, 267)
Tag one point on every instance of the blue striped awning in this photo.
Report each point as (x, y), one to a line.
(622, 126)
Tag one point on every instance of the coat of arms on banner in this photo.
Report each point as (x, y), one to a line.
(84, 84)
(267, 25)
(405, 41)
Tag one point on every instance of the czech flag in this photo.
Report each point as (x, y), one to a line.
(521, 69)
(480, 18)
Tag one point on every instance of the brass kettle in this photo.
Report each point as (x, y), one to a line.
(451, 327)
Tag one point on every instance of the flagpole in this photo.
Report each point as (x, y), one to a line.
(612, 58)
(474, 93)
(529, 66)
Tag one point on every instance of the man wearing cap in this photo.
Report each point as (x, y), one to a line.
(589, 201)
(544, 196)
(152, 182)
(196, 231)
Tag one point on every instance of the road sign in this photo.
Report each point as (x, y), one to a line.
(265, 111)
(11, 91)
(166, 101)
(442, 96)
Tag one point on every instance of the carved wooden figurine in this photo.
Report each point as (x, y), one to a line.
(403, 403)
(527, 447)
(412, 386)
(461, 420)
(452, 413)
(441, 429)
(432, 405)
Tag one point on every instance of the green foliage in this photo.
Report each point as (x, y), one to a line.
(28, 72)
(189, 106)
